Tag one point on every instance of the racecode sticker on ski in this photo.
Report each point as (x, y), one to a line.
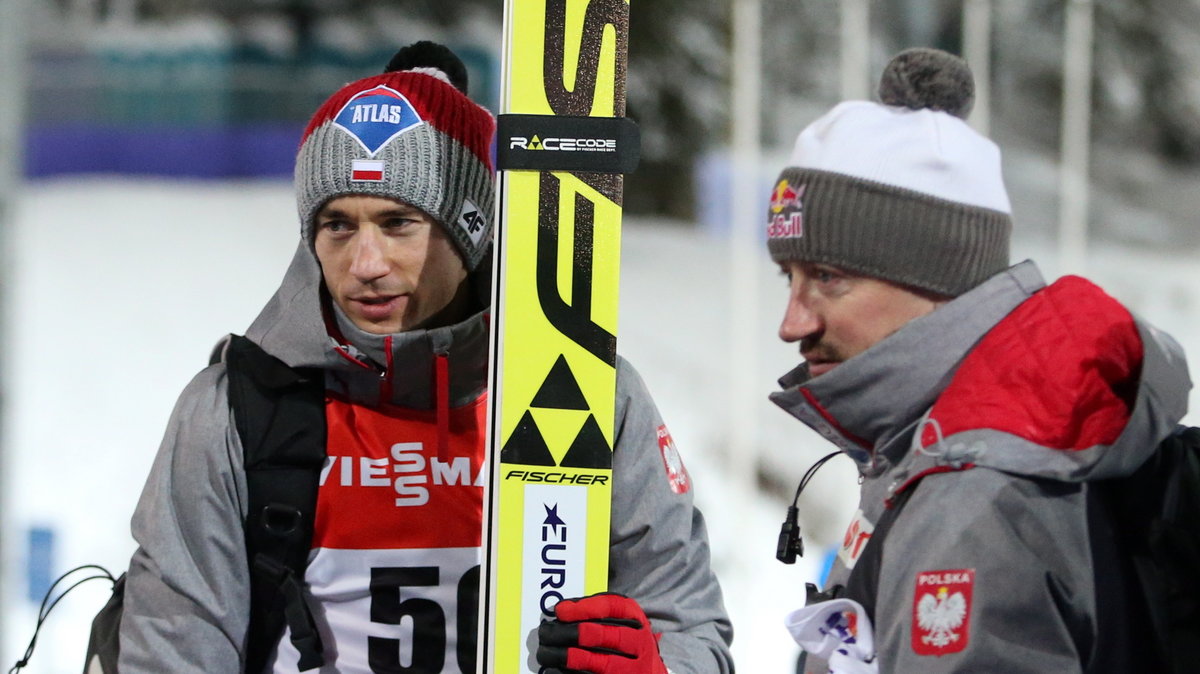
(562, 145)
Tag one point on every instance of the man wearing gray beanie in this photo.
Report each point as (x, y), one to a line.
(979, 404)
(385, 310)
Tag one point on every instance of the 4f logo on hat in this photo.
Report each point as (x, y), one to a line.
(375, 116)
(787, 211)
(471, 220)
(942, 611)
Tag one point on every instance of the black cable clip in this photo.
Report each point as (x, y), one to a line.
(790, 545)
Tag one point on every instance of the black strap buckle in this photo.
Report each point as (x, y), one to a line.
(296, 613)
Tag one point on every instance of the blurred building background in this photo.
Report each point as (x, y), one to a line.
(221, 88)
(212, 90)
(146, 150)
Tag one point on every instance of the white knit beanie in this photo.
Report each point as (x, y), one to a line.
(904, 191)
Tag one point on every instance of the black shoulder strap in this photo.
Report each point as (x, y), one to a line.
(1155, 511)
(1178, 540)
(280, 417)
(863, 583)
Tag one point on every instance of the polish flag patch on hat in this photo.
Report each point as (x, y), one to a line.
(367, 170)
(375, 116)
(942, 611)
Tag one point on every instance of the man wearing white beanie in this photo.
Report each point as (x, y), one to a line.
(978, 403)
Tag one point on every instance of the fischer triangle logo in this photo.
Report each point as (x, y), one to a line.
(566, 420)
(376, 116)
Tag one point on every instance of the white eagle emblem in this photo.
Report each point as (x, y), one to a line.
(941, 616)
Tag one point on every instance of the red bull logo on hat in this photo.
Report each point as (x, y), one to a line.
(785, 196)
(787, 211)
(376, 116)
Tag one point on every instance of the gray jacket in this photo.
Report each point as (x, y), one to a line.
(186, 606)
(1002, 404)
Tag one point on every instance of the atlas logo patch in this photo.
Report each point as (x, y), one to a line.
(376, 116)
(787, 211)
(942, 611)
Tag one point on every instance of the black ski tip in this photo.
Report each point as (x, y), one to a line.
(426, 54)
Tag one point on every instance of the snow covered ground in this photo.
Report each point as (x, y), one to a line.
(119, 288)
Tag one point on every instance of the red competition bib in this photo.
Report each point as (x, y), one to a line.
(394, 571)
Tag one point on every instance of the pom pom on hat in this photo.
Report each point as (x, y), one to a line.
(423, 55)
(928, 78)
(409, 134)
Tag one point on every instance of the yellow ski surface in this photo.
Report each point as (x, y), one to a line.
(554, 331)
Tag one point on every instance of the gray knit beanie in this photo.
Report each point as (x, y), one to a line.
(409, 135)
(903, 191)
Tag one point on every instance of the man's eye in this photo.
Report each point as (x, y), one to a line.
(825, 275)
(334, 226)
(399, 224)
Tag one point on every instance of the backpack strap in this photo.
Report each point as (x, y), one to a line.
(1154, 513)
(279, 413)
(1176, 541)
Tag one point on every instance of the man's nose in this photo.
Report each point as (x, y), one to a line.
(799, 321)
(370, 260)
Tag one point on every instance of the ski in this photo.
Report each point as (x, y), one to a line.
(563, 145)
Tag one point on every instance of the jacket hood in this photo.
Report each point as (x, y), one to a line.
(1059, 382)
(300, 326)
(1079, 387)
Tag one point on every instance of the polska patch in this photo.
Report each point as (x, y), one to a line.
(376, 116)
(787, 211)
(942, 611)
(677, 475)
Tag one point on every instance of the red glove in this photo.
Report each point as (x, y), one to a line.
(602, 634)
